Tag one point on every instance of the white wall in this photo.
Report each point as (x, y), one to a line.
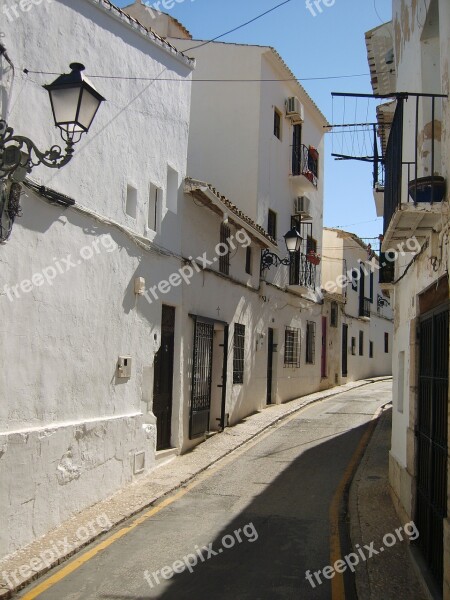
(69, 427)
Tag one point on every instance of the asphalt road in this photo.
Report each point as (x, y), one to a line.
(249, 528)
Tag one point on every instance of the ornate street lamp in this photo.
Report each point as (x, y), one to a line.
(75, 103)
(293, 244)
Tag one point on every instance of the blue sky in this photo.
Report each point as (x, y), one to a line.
(328, 44)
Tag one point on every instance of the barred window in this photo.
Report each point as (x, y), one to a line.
(238, 353)
(334, 314)
(310, 342)
(224, 260)
(292, 347)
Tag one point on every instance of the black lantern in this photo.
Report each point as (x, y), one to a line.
(75, 102)
(293, 244)
(293, 241)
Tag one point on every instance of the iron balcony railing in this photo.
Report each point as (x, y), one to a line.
(423, 183)
(305, 161)
(302, 272)
(364, 307)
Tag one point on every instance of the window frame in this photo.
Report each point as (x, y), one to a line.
(292, 349)
(238, 354)
(334, 314)
(248, 260)
(224, 259)
(277, 123)
(310, 358)
(272, 223)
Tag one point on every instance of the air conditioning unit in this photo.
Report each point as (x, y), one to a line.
(295, 110)
(302, 206)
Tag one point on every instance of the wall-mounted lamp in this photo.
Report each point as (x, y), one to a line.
(293, 244)
(74, 102)
(382, 301)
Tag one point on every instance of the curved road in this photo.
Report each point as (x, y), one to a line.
(249, 528)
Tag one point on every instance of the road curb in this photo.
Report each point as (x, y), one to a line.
(6, 592)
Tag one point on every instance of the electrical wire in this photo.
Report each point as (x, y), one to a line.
(187, 80)
(274, 8)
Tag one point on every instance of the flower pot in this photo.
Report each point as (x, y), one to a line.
(427, 189)
(313, 258)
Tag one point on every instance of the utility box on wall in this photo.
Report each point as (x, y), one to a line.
(124, 367)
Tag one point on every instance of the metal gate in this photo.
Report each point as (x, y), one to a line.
(163, 379)
(201, 378)
(431, 432)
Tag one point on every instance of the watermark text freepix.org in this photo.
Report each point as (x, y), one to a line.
(315, 6)
(59, 267)
(202, 554)
(13, 10)
(196, 265)
(352, 560)
(54, 551)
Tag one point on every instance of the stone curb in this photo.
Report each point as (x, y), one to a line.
(146, 498)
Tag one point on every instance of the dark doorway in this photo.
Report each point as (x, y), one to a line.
(344, 350)
(324, 348)
(201, 378)
(270, 348)
(163, 379)
(431, 501)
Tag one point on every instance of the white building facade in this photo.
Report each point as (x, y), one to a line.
(77, 418)
(360, 311)
(414, 201)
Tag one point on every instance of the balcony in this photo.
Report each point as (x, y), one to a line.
(387, 271)
(302, 272)
(413, 190)
(364, 308)
(305, 163)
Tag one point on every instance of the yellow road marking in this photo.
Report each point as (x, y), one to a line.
(84, 558)
(74, 565)
(337, 583)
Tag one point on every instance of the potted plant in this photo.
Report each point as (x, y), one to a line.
(313, 257)
(427, 189)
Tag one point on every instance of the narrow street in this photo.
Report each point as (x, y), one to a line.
(265, 509)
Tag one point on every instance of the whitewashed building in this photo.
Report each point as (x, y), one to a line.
(360, 311)
(256, 143)
(414, 130)
(78, 416)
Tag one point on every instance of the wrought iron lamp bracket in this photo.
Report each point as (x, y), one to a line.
(18, 152)
(382, 301)
(269, 259)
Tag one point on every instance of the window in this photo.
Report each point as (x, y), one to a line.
(172, 190)
(401, 382)
(292, 347)
(224, 260)
(311, 244)
(386, 343)
(277, 123)
(153, 207)
(370, 349)
(353, 346)
(238, 353)
(361, 343)
(248, 260)
(294, 267)
(355, 280)
(131, 206)
(310, 342)
(334, 314)
(371, 287)
(272, 224)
